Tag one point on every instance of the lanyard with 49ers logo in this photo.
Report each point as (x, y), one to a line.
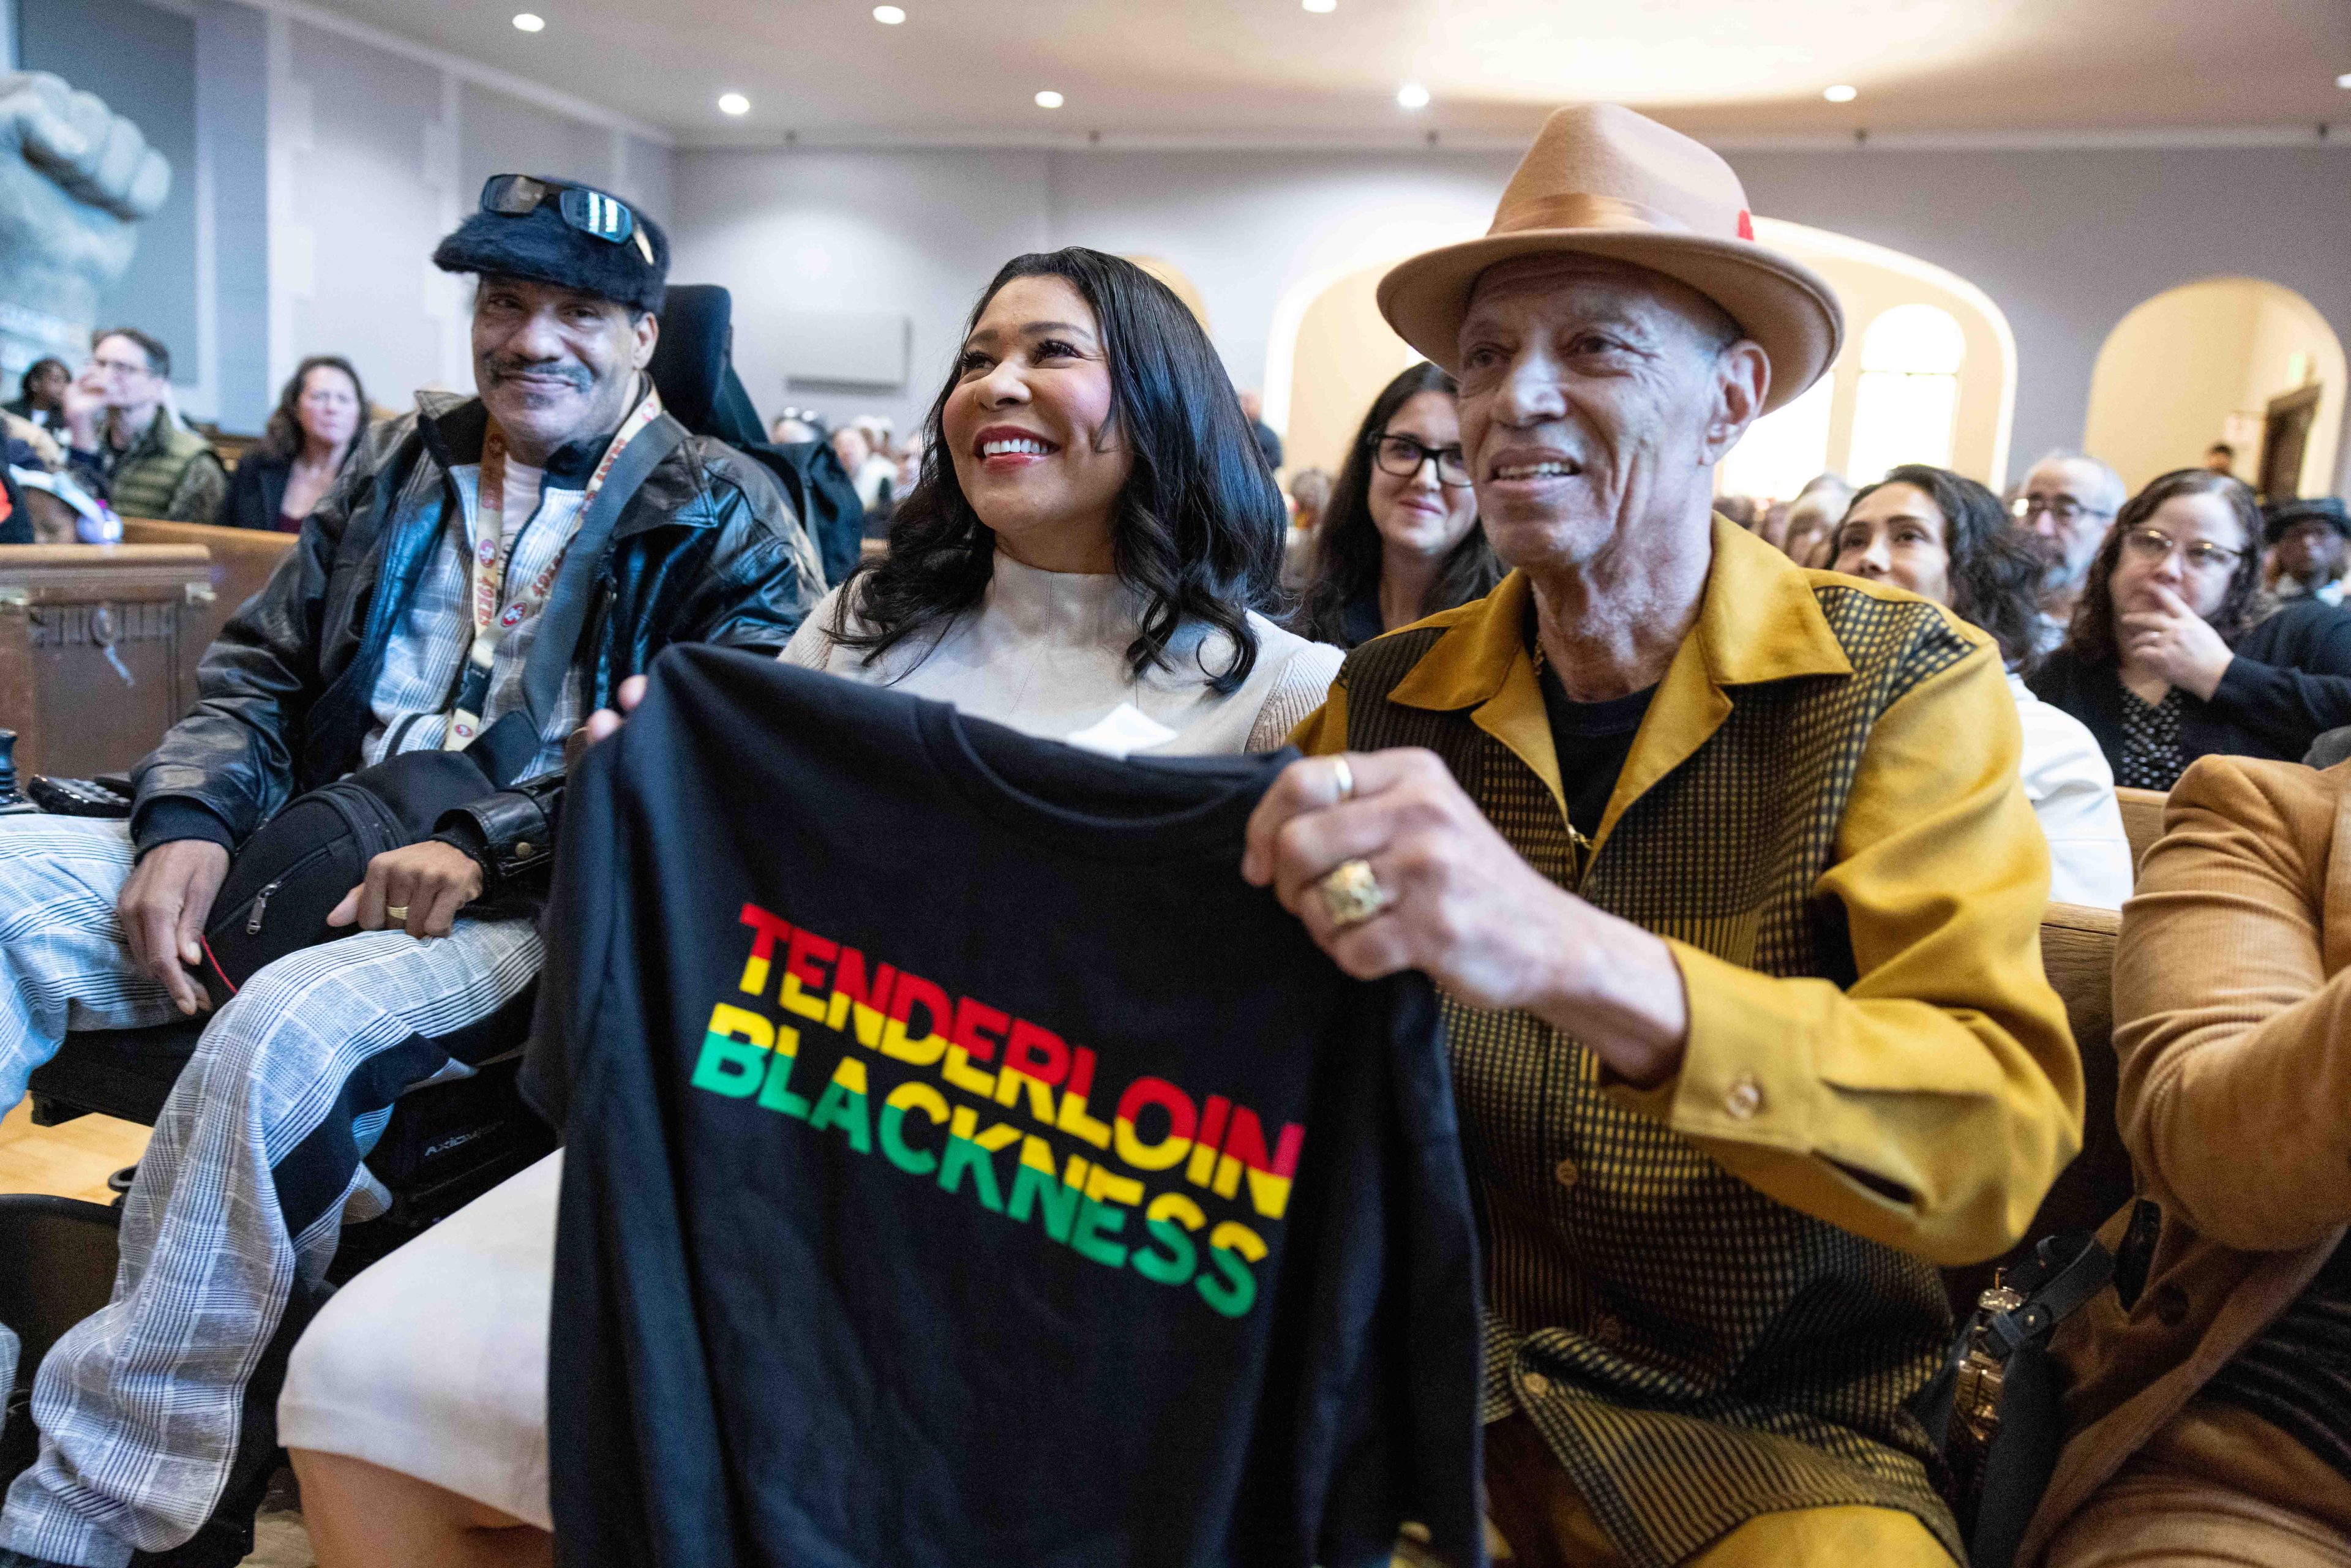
(492, 550)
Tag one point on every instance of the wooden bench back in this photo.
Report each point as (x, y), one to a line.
(242, 560)
(2077, 954)
(2142, 818)
(98, 650)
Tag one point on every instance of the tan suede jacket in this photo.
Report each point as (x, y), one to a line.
(2232, 1024)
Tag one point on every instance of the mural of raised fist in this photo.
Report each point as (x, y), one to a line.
(74, 180)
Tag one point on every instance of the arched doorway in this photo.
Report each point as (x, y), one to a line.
(1179, 282)
(2212, 361)
(1927, 375)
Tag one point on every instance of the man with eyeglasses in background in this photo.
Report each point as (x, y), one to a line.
(2068, 502)
(404, 622)
(124, 442)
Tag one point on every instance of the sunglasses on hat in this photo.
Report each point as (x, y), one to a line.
(593, 212)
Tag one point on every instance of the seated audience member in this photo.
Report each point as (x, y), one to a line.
(228, 1228)
(1086, 553)
(1309, 501)
(2067, 503)
(874, 476)
(910, 466)
(790, 429)
(126, 444)
(2220, 458)
(1724, 874)
(1402, 540)
(1268, 443)
(2168, 660)
(41, 393)
(312, 437)
(2307, 540)
(1947, 539)
(1741, 510)
(1812, 520)
(2210, 1408)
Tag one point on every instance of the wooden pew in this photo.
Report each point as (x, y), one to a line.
(2142, 818)
(2077, 954)
(242, 560)
(98, 650)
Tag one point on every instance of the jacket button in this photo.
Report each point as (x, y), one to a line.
(1565, 1174)
(1744, 1098)
(525, 850)
(1537, 1385)
(2171, 1306)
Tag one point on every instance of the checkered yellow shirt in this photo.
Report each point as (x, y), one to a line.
(1715, 1298)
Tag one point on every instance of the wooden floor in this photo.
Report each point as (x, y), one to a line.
(72, 1160)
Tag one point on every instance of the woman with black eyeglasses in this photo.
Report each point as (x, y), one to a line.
(1400, 538)
(2170, 658)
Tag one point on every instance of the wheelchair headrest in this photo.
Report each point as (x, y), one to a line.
(692, 361)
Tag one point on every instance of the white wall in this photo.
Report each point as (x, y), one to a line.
(919, 233)
(2066, 242)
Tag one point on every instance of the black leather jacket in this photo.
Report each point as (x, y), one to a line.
(707, 551)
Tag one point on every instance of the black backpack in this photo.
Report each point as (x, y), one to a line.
(291, 875)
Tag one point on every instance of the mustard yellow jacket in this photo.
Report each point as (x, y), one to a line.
(1714, 1297)
(1944, 1069)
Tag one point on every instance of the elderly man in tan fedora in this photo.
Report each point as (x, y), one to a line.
(1725, 870)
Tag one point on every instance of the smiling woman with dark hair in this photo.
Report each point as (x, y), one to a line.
(1092, 536)
(1945, 537)
(1400, 538)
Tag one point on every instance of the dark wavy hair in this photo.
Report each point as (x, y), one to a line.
(1995, 574)
(1199, 527)
(1347, 542)
(25, 381)
(282, 437)
(2092, 635)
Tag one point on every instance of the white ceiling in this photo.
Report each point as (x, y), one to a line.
(1267, 71)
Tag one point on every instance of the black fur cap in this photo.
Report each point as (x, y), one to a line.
(541, 246)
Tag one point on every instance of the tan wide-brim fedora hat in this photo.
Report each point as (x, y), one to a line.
(1603, 181)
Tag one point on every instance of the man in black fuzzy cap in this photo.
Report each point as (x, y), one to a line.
(2308, 539)
(561, 503)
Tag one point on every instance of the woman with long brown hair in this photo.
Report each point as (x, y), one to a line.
(321, 416)
(2169, 657)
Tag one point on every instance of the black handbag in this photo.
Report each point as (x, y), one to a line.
(288, 877)
(1995, 1408)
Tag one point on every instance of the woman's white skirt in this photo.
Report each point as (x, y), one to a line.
(433, 1361)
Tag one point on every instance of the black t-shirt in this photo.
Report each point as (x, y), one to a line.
(963, 1166)
(1593, 740)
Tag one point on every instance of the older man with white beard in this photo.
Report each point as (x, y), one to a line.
(1725, 872)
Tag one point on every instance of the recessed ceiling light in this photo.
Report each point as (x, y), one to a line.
(2343, 80)
(889, 15)
(1840, 93)
(1321, 7)
(1412, 95)
(529, 22)
(1049, 101)
(734, 103)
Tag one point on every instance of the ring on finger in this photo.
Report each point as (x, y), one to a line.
(1344, 776)
(1351, 894)
(395, 912)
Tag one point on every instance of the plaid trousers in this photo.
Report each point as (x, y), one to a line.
(228, 1232)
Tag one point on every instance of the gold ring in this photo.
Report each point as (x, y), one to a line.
(395, 912)
(1343, 775)
(1351, 894)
